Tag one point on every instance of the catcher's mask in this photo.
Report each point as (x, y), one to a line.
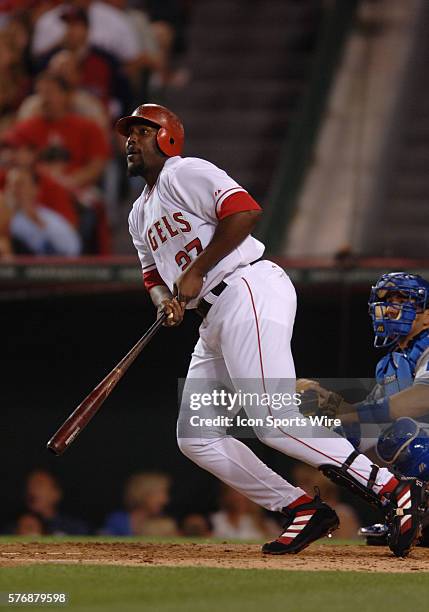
(393, 304)
(405, 445)
(171, 134)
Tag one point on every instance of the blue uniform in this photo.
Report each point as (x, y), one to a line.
(400, 369)
(395, 301)
(405, 443)
(396, 371)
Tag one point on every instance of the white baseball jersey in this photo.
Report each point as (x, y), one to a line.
(174, 221)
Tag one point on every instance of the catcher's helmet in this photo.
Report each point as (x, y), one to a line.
(406, 294)
(171, 135)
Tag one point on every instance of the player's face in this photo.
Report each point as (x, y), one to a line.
(141, 149)
(393, 311)
(394, 301)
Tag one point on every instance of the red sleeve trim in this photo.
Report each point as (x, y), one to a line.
(237, 202)
(152, 279)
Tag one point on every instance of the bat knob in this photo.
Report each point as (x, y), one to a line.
(54, 448)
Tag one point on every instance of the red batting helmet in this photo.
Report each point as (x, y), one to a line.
(171, 135)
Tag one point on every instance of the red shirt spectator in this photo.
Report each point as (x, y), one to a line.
(81, 137)
(83, 145)
(23, 154)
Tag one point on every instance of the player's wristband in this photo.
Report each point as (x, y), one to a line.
(374, 412)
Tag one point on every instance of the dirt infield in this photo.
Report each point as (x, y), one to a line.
(316, 557)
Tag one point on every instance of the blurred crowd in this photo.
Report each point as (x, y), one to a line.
(146, 511)
(68, 70)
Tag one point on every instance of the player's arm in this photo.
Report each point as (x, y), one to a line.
(6, 213)
(411, 402)
(229, 234)
(5, 219)
(160, 294)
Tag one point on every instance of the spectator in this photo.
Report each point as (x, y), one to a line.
(110, 30)
(29, 524)
(19, 26)
(100, 73)
(168, 20)
(146, 496)
(42, 498)
(65, 65)
(18, 150)
(14, 83)
(140, 21)
(240, 518)
(34, 229)
(151, 57)
(57, 127)
(307, 477)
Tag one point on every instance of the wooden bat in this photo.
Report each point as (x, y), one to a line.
(80, 418)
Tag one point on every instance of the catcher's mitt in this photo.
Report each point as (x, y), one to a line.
(317, 401)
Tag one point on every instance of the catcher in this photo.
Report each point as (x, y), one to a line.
(399, 309)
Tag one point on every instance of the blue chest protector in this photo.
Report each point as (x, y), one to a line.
(396, 370)
(404, 443)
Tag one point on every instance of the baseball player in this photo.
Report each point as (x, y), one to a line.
(192, 229)
(399, 310)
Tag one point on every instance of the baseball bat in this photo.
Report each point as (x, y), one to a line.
(80, 417)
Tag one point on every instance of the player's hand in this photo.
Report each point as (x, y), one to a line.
(174, 311)
(318, 401)
(306, 384)
(188, 285)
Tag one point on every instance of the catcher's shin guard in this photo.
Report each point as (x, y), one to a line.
(407, 514)
(406, 506)
(341, 477)
(305, 524)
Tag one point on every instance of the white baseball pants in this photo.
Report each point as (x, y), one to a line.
(244, 345)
